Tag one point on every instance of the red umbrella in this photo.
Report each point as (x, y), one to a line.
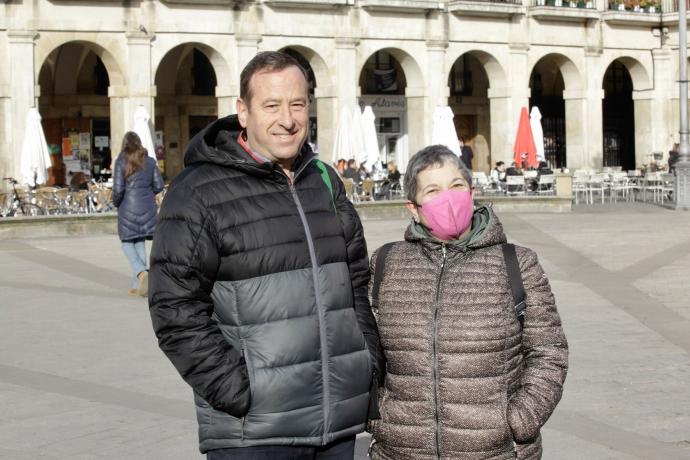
(525, 150)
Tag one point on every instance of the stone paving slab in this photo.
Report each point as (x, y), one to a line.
(81, 376)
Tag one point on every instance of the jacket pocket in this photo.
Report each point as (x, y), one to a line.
(250, 368)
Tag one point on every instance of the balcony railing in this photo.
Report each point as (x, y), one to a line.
(582, 4)
(636, 6)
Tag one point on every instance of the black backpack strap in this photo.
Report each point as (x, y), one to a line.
(515, 277)
(378, 272)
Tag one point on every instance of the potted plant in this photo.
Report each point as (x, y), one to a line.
(589, 4)
(541, 2)
(653, 6)
(557, 2)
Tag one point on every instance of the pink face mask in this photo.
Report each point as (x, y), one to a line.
(448, 214)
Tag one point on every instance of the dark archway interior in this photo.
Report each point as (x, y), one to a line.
(546, 87)
(618, 117)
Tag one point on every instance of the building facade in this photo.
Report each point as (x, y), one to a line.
(604, 75)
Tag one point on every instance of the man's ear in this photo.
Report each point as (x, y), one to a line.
(242, 110)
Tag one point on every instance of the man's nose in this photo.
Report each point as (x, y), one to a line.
(286, 119)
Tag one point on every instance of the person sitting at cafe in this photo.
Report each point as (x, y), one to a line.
(352, 171)
(498, 175)
(513, 170)
(390, 182)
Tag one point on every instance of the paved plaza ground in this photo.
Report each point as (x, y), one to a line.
(81, 375)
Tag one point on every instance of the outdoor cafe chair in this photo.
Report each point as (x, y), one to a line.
(668, 182)
(597, 183)
(481, 181)
(546, 184)
(619, 186)
(580, 187)
(367, 193)
(515, 185)
(350, 190)
(652, 183)
(46, 198)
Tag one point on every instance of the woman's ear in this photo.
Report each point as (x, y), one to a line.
(413, 210)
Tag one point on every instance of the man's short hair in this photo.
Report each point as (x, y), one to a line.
(267, 61)
(431, 156)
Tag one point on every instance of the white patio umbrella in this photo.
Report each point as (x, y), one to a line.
(342, 147)
(143, 130)
(371, 143)
(35, 157)
(537, 132)
(358, 148)
(443, 129)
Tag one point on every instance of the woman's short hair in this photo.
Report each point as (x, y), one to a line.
(431, 156)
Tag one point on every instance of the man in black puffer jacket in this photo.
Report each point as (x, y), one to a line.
(258, 282)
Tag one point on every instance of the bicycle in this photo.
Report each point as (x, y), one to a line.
(20, 204)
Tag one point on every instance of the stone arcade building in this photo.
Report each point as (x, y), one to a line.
(604, 77)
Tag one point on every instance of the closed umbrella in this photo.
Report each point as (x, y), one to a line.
(342, 146)
(524, 142)
(35, 157)
(537, 132)
(357, 133)
(143, 130)
(371, 143)
(443, 129)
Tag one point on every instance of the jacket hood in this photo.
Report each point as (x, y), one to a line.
(486, 231)
(217, 144)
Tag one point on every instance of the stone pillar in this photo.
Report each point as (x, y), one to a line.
(643, 103)
(140, 79)
(118, 124)
(227, 100)
(519, 91)
(326, 116)
(593, 135)
(576, 124)
(418, 123)
(502, 124)
(437, 83)
(247, 48)
(663, 126)
(23, 94)
(5, 134)
(347, 80)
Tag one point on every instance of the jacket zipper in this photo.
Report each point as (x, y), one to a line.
(434, 336)
(319, 308)
(242, 351)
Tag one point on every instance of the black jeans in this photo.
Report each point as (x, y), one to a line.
(342, 449)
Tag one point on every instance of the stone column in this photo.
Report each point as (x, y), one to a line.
(518, 73)
(347, 80)
(437, 83)
(119, 125)
(663, 126)
(326, 116)
(140, 80)
(226, 97)
(593, 135)
(247, 48)
(22, 88)
(418, 122)
(502, 132)
(576, 124)
(644, 145)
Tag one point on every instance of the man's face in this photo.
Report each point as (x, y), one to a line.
(276, 118)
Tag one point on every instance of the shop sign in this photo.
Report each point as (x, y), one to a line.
(100, 142)
(384, 102)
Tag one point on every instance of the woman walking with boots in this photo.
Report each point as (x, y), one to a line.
(136, 182)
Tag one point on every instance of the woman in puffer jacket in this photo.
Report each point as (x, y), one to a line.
(136, 181)
(467, 378)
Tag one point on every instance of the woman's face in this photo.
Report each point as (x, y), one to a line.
(434, 180)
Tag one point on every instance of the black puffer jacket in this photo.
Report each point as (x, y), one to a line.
(258, 295)
(135, 199)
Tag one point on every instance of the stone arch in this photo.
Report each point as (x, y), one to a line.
(413, 72)
(572, 76)
(50, 56)
(318, 64)
(638, 72)
(162, 62)
(470, 76)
